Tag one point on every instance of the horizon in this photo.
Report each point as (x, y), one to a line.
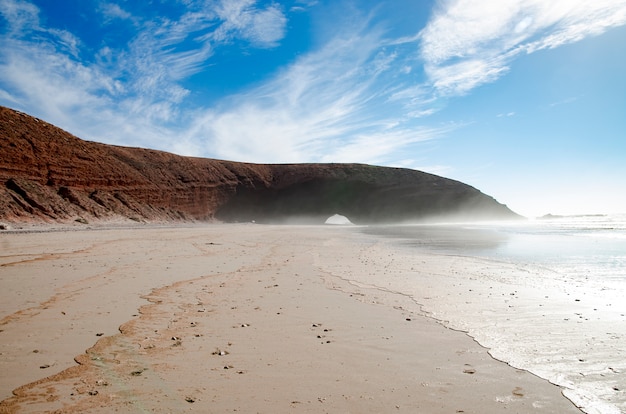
(523, 100)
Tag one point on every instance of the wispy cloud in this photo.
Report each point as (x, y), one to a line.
(112, 11)
(346, 101)
(508, 114)
(339, 103)
(564, 101)
(262, 27)
(19, 15)
(359, 96)
(131, 93)
(471, 42)
(22, 20)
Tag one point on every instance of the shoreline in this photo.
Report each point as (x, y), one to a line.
(539, 300)
(267, 297)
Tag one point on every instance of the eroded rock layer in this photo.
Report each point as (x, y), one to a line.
(47, 174)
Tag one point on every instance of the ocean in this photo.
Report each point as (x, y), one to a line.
(544, 295)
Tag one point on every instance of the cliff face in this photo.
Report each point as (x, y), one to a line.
(47, 174)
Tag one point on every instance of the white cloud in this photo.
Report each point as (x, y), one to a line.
(136, 84)
(564, 101)
(79, 98)
(21, 16)
(354, 99)
(7, 97)
(113, 11)
(22, 20)
(303, 5)
(267, 27)
(155, 65)
(241, 19)
(165, 52)
(376, 147)
(461, 77)
(470, 42)
(328, 106)
(421, 113)
(351, 100)
(65, 40)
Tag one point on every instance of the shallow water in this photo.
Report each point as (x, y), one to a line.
(546, 296)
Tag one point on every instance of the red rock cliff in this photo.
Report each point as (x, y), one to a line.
(47, 174)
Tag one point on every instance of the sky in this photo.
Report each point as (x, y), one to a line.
(523, 99)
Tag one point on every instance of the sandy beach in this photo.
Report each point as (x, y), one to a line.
(232, 318)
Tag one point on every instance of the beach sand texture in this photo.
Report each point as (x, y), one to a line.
(225, 318)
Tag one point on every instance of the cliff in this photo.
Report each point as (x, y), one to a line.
(49, 175)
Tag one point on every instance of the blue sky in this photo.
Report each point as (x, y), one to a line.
(522, 99)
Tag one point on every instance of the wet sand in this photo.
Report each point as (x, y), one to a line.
(226, 318)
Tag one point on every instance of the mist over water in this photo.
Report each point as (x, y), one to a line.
(542, 295)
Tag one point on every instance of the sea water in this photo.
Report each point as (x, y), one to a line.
(547, 296)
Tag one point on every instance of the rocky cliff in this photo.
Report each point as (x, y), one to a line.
(49, 175)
